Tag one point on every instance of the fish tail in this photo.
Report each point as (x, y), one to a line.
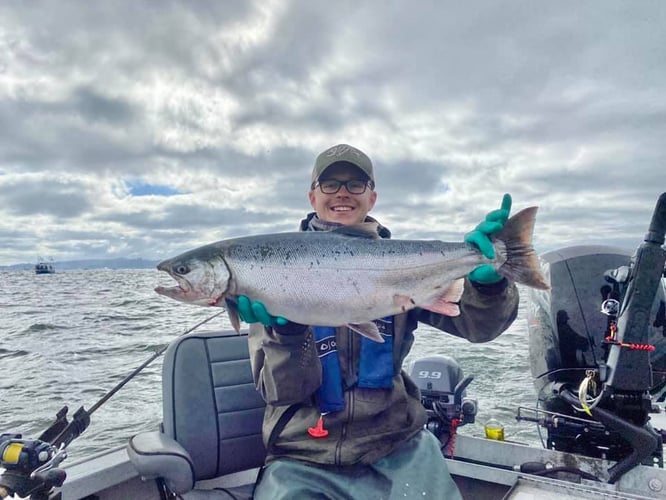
(522, 264)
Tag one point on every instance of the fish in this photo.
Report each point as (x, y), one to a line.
(347, 276)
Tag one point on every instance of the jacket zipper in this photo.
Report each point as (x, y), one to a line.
(349, 397)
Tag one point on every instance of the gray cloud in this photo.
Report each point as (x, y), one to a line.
(560, 104)
(51, 198)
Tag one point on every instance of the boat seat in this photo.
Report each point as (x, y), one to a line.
(212, 418)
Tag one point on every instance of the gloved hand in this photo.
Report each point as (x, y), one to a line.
(255, 312)
(480, 237)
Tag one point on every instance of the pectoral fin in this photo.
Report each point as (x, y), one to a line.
(369, 330)
(232, 311)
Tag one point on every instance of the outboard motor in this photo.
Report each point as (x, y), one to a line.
(597, 344)
(442, 384)
(567, 324)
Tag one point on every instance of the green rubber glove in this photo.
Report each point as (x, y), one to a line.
(485, 274)
(480, 237)
(255, 312)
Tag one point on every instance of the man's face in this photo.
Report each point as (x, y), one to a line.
(342, 207)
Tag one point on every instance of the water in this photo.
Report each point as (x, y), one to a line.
(70, 337)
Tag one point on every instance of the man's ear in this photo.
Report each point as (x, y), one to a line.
(373, 200)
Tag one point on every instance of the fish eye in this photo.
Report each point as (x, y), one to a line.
(181, 269)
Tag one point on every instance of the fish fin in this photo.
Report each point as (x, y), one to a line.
(368, 330)
(445, 308)
(447, 302)
(405, 302)
(522, 264)
(232, 311)
(361, 230)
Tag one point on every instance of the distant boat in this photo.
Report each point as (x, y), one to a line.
(44, 268)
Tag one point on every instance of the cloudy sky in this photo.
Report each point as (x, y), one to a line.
(143, 129)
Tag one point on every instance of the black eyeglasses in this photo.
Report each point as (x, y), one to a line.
(353, 186)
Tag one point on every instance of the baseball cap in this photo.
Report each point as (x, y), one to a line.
(346, 153)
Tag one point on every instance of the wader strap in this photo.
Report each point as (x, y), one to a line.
(281, 424)
(275, 432)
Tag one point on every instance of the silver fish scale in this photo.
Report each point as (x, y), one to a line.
(324, 278)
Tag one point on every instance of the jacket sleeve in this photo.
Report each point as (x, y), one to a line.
(485, 312)
(285, 366)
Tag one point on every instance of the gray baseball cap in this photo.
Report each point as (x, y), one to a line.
(346, 153)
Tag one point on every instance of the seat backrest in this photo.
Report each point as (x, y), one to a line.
(210, 403)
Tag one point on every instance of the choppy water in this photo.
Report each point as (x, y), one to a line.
(68, 338)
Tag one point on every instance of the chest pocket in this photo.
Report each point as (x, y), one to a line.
(375, 370)
(329, 394)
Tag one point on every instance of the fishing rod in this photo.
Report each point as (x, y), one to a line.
(31, 465)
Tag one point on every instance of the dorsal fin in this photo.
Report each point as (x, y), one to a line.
(361, 230)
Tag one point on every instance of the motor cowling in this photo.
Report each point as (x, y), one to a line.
(442, 384)
(566, 325)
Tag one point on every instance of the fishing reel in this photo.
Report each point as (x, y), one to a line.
(440, 380)
(31, 466)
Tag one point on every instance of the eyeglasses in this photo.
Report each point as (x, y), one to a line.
(332, 186)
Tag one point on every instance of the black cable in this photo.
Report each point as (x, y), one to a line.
(571, 470)
(228, 492)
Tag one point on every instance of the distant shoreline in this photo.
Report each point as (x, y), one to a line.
(68, 265)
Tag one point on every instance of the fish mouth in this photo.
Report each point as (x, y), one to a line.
(175, 292)
(188, 295)
(196, 281)
(184, 291)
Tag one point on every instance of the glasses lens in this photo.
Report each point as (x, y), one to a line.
(332, 186)
(356, 187)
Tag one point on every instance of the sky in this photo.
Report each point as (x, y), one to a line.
(145, 129)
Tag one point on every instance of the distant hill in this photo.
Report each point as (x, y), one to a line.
(120, 263)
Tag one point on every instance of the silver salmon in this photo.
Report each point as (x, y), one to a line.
(348, 276)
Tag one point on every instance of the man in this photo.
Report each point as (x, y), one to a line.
(342, 419)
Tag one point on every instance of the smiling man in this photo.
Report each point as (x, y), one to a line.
(343, 420)
(343, 185)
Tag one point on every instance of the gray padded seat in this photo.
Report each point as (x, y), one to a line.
(212, 417)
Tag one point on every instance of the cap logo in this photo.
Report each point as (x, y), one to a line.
(341, 150)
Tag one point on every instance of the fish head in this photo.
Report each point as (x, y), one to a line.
(201, 281)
